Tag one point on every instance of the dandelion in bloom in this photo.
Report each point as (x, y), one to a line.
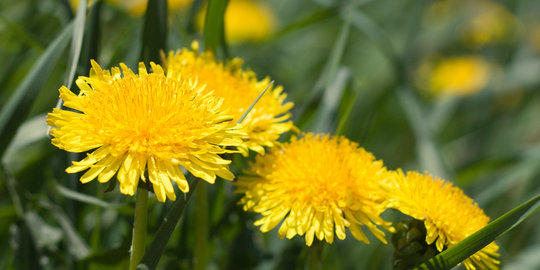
(316, 186)
(459, 76)
(144, 126)
(239, 88)
(245, 20)
(449, 216)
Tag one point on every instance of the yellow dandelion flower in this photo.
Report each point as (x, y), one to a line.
(143, 125)
(449, 216)
(463, 75)
(238, 88)
(318, 186)
(245, 20)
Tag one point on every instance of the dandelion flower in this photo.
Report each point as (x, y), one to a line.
(144, 126)
(245, 20)
(318, 186)
(449, 216)
(238, 88)
(463, 75)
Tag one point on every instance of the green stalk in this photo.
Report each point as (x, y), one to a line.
(201, 229)
(314, 258)
(139, 228)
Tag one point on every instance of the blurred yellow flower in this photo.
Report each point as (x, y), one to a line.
(481, 22)
(462, 75)
(534, 38)
(245, 20)
(318, 186)
(239, 88)
(449, 216)
(491, 22)
(144, 125)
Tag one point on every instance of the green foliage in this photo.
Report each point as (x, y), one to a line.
(351, 67)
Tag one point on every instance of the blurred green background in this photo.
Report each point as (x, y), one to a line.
(448, 87)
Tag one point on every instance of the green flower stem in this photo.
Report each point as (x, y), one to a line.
(314, 255)
(139, 228)
(201, 229)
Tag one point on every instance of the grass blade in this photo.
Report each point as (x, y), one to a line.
(31, 131)
(81, 197)
(464, 249)
(76, 42)
(19, 104)
(76, 244)
(214, 24)
(156, 248)
(427, 149)
(254, 102)
(330, 69)
(76, 45)
(19, 32)
(327, 111)
(155, 31)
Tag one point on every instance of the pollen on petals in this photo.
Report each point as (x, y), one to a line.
(238, 88)
(316, 186)
(448, 214)
(143, 127)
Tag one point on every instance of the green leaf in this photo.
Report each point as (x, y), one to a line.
(328, 75)
(17, 107)
(214, 24)
(77, 196)
(44, 235)
(317, 16)
(464, 249)
(327, 112)
(76, 244)
(428, 151)
(112, 256)
(156, 248)
(76, 43)
(155, 31)
(349, 101)
(31, 131)
(21, 33)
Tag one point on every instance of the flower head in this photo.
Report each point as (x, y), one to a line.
(463, 75)
(143, 123)
(239, 88)
(245, 20)
(318, 186)
(449, 216)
